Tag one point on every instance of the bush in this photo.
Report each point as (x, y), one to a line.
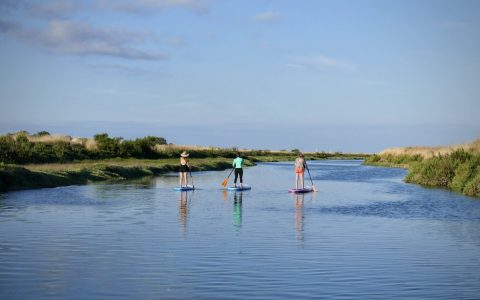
(463, 174)
(472, 188)
(42, 133)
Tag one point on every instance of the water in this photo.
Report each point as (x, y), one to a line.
(364, 235)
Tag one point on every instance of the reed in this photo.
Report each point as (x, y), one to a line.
(455, 167)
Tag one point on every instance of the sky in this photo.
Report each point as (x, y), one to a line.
(350, 76)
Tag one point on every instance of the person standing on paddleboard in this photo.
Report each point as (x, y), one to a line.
(238, 165)
(300, 165)
(184, 168)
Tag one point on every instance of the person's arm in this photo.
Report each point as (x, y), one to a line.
(233, 163)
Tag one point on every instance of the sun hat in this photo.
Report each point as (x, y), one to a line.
(184, 154)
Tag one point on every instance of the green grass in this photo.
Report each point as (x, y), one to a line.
(458, 171)
(16, 177)
(27, 176)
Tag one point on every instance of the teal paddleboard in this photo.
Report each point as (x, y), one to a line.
(238, 188)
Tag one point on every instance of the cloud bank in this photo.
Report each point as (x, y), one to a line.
(74, 38)
(152, 6)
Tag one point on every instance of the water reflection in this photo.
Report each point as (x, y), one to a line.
(299, 217)
(183, 207)
(237, 210)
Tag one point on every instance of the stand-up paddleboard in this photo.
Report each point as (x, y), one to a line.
(184, 188)
(238, 188)
(307, 189)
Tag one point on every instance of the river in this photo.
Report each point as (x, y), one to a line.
(364, 235)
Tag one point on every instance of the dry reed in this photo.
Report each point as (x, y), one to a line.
(428, 152)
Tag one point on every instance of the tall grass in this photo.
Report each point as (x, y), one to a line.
(454, 167)
(428, 152)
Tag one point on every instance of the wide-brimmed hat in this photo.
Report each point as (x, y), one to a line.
(184, 154)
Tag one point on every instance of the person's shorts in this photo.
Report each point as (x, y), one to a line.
(299, 170)
(184, 168)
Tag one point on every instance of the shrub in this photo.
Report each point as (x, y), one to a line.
(42, 133)
(472, 188)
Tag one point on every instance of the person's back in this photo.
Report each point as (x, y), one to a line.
(300, 163)
(238, 165)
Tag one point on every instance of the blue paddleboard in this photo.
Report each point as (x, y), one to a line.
(307, 189)
(184, 188)
(244, 188)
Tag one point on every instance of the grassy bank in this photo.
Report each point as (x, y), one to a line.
(457, 169)
(45, 160)
(16, 177)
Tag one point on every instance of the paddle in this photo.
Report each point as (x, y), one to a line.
(193, 185)
(308, 170)
(225, 182)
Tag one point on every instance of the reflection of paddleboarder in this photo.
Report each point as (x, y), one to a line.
(237, 210)
(299, 216)
(183, 211)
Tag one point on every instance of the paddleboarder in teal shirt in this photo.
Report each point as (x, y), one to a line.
(238, 164)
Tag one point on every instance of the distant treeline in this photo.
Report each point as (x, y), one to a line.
(458, 170)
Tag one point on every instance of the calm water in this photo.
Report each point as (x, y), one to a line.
(364, 235)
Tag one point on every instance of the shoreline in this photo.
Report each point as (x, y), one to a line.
(23, 177)
(458, 171)
(34, 176)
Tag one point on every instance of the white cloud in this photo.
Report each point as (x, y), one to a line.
(266, 17)
(321, 62)
(83, 39)
(152, 6)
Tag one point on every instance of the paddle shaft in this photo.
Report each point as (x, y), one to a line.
(192, 179)
(309, 176)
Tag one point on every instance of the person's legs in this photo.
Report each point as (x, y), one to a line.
(241, 177)
(235, 180)
(183, 178)
(296, 180)
(303, 180)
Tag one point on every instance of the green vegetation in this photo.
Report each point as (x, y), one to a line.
(20, 148)
(44, 160)
(458, 170)
(15, 177)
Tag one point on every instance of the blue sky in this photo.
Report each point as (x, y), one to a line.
(314, 75)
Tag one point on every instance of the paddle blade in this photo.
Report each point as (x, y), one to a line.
(314, 188)
(225, 182)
